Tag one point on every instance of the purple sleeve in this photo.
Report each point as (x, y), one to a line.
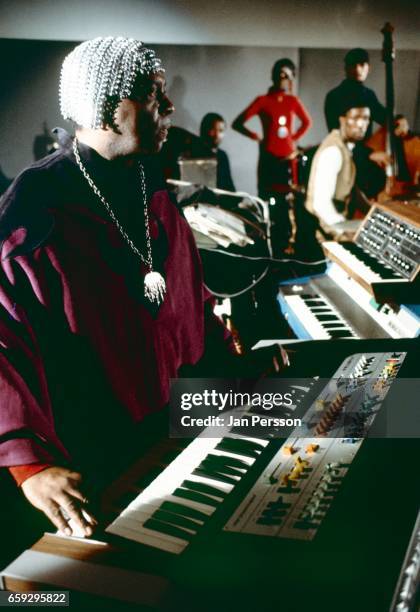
(27, 433)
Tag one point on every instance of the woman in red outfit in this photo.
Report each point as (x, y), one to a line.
(276, 109)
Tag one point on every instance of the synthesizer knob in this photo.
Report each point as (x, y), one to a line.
(333, 410)
(311, 449)
(288, 450)
(325, 422)
(333, 465)
(301, 462)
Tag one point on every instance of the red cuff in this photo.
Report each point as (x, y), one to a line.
(22, 472)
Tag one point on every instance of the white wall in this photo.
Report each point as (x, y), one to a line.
(201, 79)
(322, 69)
(300, 23)
(223, 80)
(218, 55)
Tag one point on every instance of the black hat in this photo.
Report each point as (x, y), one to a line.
(356, 100)
(284, 62)
(356, 56)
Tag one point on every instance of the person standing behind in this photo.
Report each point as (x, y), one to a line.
(276, 110)
(357, 67)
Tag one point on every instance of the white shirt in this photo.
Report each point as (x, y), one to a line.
(329, 165)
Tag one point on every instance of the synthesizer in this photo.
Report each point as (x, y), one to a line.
(218, 523)
(292, 495)
(371, 288)
(385, 255)
(173, 509)
(333, 305)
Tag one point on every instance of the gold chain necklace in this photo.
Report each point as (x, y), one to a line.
(154, 283)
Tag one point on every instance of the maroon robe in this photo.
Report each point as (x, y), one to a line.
(82, 353)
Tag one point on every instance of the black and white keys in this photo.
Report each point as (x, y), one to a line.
(362, 263)
(177, 504)
(319, 317)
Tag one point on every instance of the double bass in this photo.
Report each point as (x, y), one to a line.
(403, 171)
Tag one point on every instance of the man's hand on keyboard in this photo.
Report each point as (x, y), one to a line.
(56, 491)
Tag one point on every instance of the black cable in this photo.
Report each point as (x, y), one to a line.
(242, 291)
(285, 260)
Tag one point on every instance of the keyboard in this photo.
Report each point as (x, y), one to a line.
(169, 512)
(385, 254)
(316, 316)
(355, 521)
(334, 305)
(362, 263)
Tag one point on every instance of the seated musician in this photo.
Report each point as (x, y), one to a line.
(182, 144)
(333, 171)
(212, 132)
(101, 295)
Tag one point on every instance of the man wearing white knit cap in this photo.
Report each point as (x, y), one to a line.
(101, 293)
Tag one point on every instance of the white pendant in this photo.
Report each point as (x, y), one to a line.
(154, 287)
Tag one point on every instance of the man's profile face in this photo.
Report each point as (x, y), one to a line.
(355, 123)
(216, 133)
(143, 119)
(358, 72)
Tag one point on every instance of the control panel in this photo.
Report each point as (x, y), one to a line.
(294, 492)
(394, 242)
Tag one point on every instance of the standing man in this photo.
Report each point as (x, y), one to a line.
(101, 294)
(277, 110)
(356, 65)
(333, 171)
